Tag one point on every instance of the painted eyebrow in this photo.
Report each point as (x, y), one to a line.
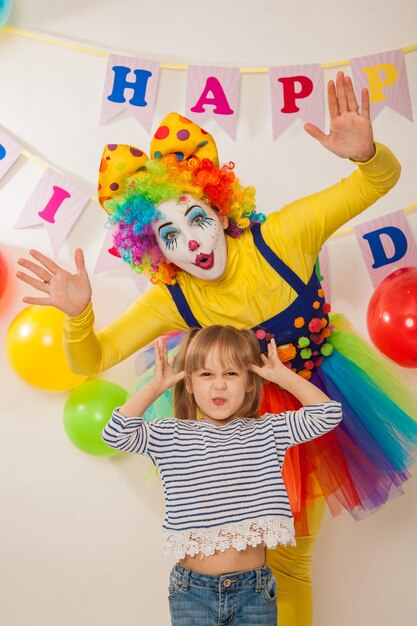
(194, 206)
(163, 226)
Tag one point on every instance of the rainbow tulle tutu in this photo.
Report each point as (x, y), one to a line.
(366, 460)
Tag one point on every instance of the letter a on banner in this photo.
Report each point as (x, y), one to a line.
(56, 202)
(387, 244)
(384, 74)
(213, 92)
(296, 92)
(130, 84)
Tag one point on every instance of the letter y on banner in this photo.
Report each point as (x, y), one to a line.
(386, 244)
(56, 202)
(213, 92)
(296, 92)
(130, 84)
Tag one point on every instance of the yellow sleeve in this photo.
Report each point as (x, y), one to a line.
(308, 222)
(152, 315)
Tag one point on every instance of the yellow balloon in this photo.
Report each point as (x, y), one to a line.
(35, 350)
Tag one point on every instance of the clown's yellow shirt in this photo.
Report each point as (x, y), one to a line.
(250, 291)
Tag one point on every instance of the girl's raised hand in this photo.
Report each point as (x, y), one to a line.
(68, 292)
(164, 375)
(350, 133)
(272, 365)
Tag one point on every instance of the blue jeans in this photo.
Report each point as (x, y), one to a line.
(246, 598)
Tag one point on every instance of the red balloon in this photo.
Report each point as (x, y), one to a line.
(392, 316)
(3, 275)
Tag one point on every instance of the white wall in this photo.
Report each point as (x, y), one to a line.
(79, 536)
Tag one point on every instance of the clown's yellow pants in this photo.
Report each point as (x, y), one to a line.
(292, 569)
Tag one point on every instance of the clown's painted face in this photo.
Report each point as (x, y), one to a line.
(191, 235)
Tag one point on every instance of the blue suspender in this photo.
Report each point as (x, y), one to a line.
(183, 306)
(275, 262)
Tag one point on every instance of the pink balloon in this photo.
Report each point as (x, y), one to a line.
(392, 316)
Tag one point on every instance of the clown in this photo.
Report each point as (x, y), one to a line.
(212, 259)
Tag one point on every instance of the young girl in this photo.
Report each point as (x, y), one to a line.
(221, 467)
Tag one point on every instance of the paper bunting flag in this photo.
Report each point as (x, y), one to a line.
(385, 76)
(10, 151)
(296, 92)
(56, 202)
(386, 244)
(108, 258)
(130, 84)
(213, 92)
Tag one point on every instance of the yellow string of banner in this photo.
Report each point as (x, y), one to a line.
(168, 66)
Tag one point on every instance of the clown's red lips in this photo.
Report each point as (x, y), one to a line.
(205, 261)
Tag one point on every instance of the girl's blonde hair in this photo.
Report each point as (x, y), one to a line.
(238, 348)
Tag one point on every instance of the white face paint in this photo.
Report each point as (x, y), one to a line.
(191, 235)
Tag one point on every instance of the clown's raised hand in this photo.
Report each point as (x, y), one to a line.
(68, 292)
(350, 133)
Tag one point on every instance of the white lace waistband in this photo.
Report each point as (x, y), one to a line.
(270, 531)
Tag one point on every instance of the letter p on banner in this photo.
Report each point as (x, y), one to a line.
(296, 92)
(384, 74)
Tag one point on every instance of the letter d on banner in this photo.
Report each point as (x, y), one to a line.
(396, 238)
(386, 244)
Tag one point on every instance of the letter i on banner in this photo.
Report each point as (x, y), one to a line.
(55, 202)
(9, 153)
(384, 74)
(296, 92)
(130, 84)
(213, 92)
(386, 244)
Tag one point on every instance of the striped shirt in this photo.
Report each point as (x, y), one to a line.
(223, 485)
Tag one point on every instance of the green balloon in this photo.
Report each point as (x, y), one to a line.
(87, 410)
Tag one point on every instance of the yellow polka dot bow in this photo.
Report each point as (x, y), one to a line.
(175, 135)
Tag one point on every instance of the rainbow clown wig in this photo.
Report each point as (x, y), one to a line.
(183, 160)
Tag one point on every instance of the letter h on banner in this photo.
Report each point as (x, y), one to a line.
(130, 84)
